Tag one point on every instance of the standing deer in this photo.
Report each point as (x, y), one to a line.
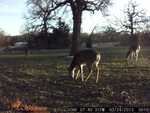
(86, 57)
(134, 49)
(133, 52)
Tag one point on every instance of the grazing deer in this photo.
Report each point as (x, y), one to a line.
(133, 52)
(85, 57)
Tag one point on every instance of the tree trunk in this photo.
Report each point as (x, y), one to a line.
(45, 33)
(76, 31)
(131, 26)
(45, 29)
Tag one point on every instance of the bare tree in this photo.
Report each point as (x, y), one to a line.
(40, 14)
(134, 18)
(77, 8)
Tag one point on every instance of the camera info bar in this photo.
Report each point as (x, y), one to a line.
(117, 109)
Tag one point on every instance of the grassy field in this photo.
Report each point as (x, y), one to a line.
(41, 82)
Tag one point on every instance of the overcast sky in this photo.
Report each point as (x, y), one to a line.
(13, 11)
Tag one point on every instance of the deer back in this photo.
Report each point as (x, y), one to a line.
(85, 56)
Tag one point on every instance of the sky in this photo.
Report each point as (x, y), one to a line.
(12, 15)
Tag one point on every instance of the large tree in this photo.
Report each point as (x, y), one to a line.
(77, 7)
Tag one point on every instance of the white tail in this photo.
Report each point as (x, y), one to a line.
(86, 57)
(133, 53)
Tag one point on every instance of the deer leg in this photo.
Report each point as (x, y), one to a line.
(90, 73)
(81, 70)
(73, 72)
(97, 75)
(129, 57)
(78, 74)
(132, 57)
(136, 56)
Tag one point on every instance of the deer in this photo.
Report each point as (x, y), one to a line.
(134, 50)
(86, 57)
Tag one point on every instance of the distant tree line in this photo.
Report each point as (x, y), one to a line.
(54, 41)
(122, 38)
